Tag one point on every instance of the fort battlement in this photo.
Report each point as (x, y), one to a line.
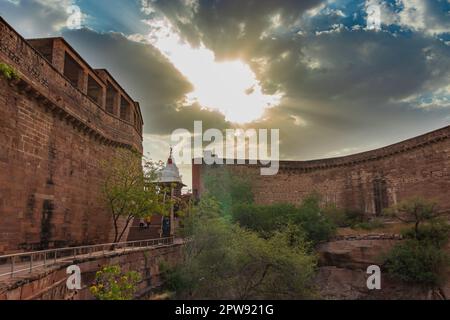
(58, 77)
(58, 121)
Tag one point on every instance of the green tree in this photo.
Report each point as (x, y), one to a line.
(130, 191)
(267, 219)
(415, 210)
(420, 258)
(264, 219)
(113, 284)
(435, 232)
(312, 219)
(417, 262)
(229, 187)
(225, 261)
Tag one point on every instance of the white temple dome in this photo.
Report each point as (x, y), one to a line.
(170, 173)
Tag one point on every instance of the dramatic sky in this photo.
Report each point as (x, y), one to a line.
(311, 68)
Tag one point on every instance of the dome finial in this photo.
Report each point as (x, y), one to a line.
(170, 156)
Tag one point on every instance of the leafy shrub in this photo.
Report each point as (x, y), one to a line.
(113, 284)
(8, 72)
(436, 233)
(354, 217)
(264, 219)
(225, 261)
(336, 215)
(318, 226)
(415, 210)
(344, 218)
(370, 225)
(173, 278)
(416, 262)
(268, 219)
(228, 187)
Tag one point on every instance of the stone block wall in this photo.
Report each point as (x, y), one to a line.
(52, 139)
(367, 182)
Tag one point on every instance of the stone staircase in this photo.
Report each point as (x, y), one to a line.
(151, 231)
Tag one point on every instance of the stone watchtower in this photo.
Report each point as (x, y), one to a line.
(159, 226)
(170, 180)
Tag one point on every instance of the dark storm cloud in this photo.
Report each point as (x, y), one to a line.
(231, 28)
(351, 87)
(148, 77)
(357, 65)
(346, 87)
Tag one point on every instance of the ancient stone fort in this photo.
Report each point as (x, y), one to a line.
(367, 182)
(58, 121)
(62, 117)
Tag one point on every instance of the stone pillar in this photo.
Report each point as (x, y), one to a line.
(117, 102)
(58, 56)
(172, 216)
(102, 99)
(83, 81)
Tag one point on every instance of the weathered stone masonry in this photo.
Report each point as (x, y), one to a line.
(56, 123)
(367, 182)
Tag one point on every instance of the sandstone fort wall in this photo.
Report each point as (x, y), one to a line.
(57, 122)
(368, 182)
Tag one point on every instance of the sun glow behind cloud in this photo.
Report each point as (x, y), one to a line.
(230, 86)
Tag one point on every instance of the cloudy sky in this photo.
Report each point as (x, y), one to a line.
(315, 69)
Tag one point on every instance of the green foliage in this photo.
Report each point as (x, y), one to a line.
(435, 233)
(267, 219)
(417, 262)
(310, 217)
(264, 219)
(8, 72)
(129, 189)
(208, 208)
(421, 258)
(113, 284)
(344, 218)
(339, 217)
(229, 187)
(353, 217)
(370, 225)
(415, 210)
(173, 278)
(225, 261)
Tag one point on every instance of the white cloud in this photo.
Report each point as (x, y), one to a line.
(38, 18)
(229, 86)
(416, 15)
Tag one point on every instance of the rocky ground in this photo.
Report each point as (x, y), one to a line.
(343, 269)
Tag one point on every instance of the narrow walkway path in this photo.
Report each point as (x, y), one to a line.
(22, 269)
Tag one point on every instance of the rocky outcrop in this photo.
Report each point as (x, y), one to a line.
(343, 274)
(354, 254)
(346, 284)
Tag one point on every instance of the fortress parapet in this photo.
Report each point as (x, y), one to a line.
(59, 77)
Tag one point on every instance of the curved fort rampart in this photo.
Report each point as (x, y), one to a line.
(58, 121)
(368, 181)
